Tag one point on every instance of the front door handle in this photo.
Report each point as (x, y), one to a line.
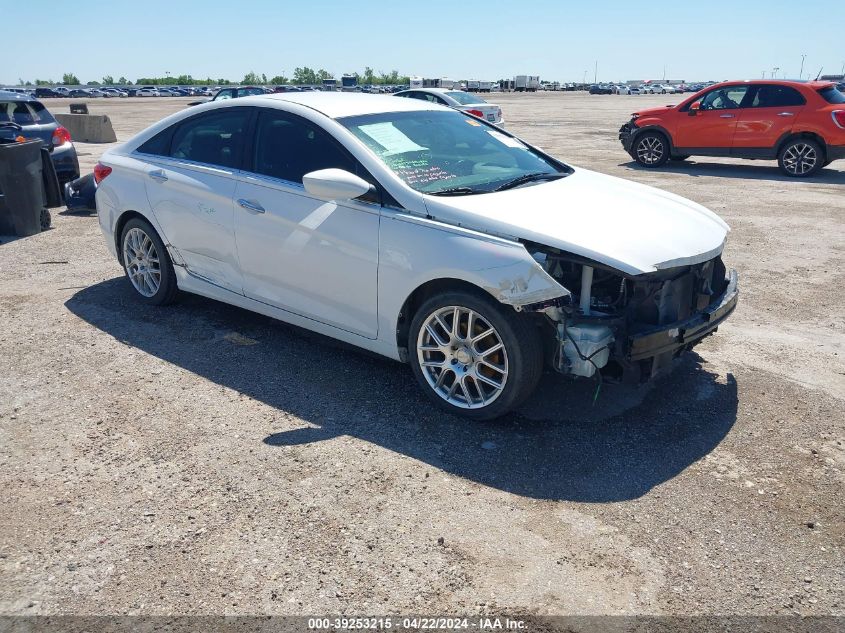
(158, 175)
(251, 205)
(785, 114)
(727, 116)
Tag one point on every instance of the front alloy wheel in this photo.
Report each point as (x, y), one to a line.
(651, 150)
(474, 356)
(462, 357)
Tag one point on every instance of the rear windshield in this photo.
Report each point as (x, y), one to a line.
(832, 95)
(24, 113)
(465, 98)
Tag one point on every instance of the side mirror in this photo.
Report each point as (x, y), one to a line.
(334, 184)
(694, 108)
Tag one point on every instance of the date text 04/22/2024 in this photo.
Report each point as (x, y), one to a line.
(416, 624)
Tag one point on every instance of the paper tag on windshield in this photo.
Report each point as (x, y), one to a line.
(506, 140)
(390, 138)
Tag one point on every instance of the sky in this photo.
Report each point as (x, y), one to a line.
(559, 40)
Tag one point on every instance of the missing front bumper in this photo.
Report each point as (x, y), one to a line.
(684, 334)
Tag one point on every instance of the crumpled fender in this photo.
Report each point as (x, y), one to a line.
(522, 283)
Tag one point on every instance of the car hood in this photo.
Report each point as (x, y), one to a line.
(625, 225)
(653, 111)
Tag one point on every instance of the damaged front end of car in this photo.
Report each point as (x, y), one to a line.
(628, 328)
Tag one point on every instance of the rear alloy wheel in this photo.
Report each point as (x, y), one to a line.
(801, 157)
(147, 264)
(651, 149)
(473, 356)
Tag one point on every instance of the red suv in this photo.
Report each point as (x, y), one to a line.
(801, 124)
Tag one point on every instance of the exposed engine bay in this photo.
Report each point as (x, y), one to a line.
(630, 327)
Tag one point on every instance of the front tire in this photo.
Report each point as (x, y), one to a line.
(801, 158)
(147, 264)
(473, 356)
(651, 149)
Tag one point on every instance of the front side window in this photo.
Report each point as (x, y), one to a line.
(449, 153)
(223, 94)
(727, 98)
(215, 139)
(776, 97)
(288, 147)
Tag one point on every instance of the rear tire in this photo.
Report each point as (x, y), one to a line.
(147, 264)
(473, 356)
(651, 149)
(801, 157)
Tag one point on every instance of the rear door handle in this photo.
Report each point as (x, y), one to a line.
(251, 205)
(158, 175)
(785, 114)
(727, 116)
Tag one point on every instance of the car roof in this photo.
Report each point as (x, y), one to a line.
(440, 90)
(8, 95)
(342, 104)
(815, 84)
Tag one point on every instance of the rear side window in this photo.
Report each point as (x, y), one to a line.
(832, 95)
(24, 113)
(465, 98)
(159, 145)
(214, 139)
(777, 97)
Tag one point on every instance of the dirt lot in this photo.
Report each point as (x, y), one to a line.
(201, 459)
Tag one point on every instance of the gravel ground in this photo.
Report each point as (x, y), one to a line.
(200, 459)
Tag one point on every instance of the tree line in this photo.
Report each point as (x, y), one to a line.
(301, 76)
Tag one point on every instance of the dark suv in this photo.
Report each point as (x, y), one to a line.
(21, 115)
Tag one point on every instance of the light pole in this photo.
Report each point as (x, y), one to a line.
(584, 80)
(775, 72)
(801, 74)
(596, 75)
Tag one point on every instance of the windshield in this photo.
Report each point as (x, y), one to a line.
(444, 152)
(464, 98)
(832, 95)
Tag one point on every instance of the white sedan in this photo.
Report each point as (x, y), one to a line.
(147, 92)
(417, 232)
(459, 100)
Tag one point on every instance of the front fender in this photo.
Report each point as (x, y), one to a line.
(414, 251)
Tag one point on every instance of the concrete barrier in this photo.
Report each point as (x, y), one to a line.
(88, 128)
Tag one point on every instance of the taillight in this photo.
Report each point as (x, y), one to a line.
(477, 113)
(100, 172)
(839, 118)
(60, 136)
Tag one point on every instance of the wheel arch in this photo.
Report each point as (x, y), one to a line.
(129, 214)
(792, 135)
(654, 128)
(419, 296)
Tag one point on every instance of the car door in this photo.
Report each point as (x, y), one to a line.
(191, 171)
(714, 124)
(772, 111)
(316, 258)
